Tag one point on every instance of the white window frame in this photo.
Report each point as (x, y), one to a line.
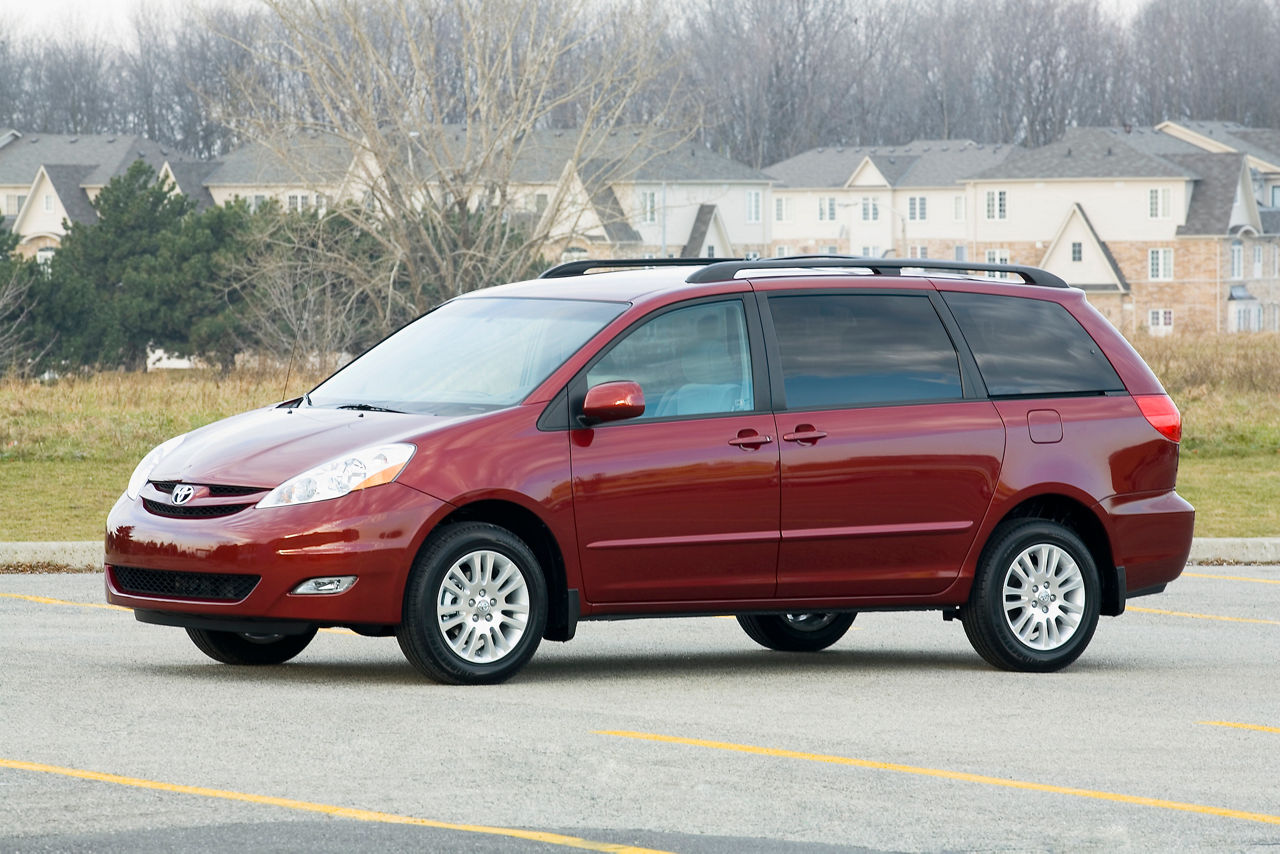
(1160, 321)
(648, 206)
(997, 204)
(958, 207)
(831, 250)
(917, 208)
(782, 252)
(1236, 256)
(919, 250)
(294, 203)
(1257, 261)
(997, 256)
(781, 209)
(826, 209)
(1158, 203)
(1077, 251)
(870, 209)
(755, 201)
(961, 252)
(48, 202)
(1160, 264)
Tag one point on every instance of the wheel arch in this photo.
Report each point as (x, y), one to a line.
(1073, 514)
(562, 613)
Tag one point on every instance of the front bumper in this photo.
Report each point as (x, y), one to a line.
(373, 534)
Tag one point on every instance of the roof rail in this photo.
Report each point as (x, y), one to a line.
(580, 268)
(877, 266)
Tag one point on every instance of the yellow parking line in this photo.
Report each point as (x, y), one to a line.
(333, 811)
(1242, 726)
(1203, 616)
(1231, 577)
(45, 600)
(951, 775)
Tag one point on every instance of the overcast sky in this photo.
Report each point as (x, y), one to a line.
(111, 17)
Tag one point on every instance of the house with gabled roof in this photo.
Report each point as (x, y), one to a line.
(48, 178)
(1163, 234)
(905, 200)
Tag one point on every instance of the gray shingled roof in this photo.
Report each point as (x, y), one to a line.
(1106, 250)
(108, 155)
(1086, 153)
(698, 234)
(921, 163)
(612, 217)
(1262, 143)
(191, 177)
(68, 182)
(1214, 192)
(1270, 218)
(311, 159)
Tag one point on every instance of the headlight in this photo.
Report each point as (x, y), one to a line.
(358, 470)
(148, 465)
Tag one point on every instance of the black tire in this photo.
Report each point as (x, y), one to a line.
(1035, 600)
(238, 648)
(467, 645)
(796, 632)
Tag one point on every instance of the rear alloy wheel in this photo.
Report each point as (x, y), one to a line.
(245, 648)
(1034, 604)
(475, 606)
(796, 632)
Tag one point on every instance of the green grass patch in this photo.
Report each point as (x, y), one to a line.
(1234, 496)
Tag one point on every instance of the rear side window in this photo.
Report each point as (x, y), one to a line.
(1031, 347)
(856, 349)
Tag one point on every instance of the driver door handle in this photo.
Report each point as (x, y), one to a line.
(804, 434)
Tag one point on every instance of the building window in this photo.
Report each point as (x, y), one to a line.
(870, 209)
(1160, 320)
(711, 250)
(1158, 203)
(539, 202)
(958, 209)
(781, 209)
(916, 207)
(830, 250)
(962, 254)
(996, 204)
(1257, 262)
(782, 252)
(997, 256)
(1077, 251)
(48, 201)
(1275, 197)
(45, 255)
(917, 251)
(1275, 261)
(258, 202)
(753, 206)
(648, 206)
(827, 209)
(1237, 260)
(1160, 264)
(295, 204)
(305, 201)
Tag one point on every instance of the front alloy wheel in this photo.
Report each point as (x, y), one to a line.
(1035, 601)
(475, 606)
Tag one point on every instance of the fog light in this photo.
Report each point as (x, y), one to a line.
(323, 586)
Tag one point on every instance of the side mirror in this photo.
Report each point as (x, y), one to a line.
(615, 401)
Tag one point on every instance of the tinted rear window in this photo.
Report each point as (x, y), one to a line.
(1029, 346)
(855, 349)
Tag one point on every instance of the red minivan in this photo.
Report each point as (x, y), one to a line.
(790, 441)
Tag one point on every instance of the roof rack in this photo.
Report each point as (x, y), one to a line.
(878, 267)
(580, 268)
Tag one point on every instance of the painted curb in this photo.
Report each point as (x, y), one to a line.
(1258, 550)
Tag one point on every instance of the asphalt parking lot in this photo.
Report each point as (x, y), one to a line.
(676, 735)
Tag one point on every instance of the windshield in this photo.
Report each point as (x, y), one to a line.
(469, 355)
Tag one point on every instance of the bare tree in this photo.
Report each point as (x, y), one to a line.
(450, 109)
(15, 344)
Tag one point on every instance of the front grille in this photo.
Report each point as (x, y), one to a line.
(192, 511)
(222, 587)
(215, 490)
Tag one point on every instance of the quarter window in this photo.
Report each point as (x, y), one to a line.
(839, 350)
(1031, 347)
(691, 361)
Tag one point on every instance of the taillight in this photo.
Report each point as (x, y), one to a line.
(1161, 413)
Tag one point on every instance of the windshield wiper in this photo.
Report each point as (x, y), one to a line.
(366, 407)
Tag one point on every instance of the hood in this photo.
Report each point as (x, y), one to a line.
(266, 447)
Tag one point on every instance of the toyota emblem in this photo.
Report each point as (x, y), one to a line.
(182, 493)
